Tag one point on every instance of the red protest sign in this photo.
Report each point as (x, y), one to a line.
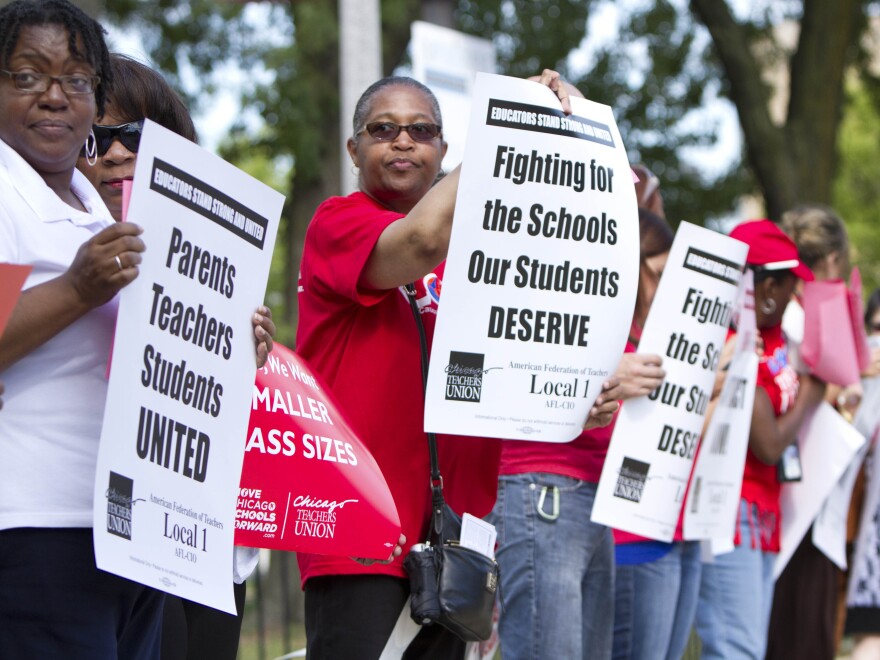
(12, 278)
(308, 484)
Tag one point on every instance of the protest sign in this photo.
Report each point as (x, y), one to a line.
(713, 498)
(308, 484)
(827, 444)
(542, 269)
(446, 61)
(864, 578)
(829, 527)
(834, 344)
(12, 278)
(182, 372)
(646, 470)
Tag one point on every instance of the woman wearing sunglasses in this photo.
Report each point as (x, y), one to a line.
(190, 630)
(357, 330)
(139, 93)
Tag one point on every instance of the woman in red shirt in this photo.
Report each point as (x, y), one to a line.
(736, 591)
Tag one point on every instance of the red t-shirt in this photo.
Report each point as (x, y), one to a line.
(582, 458)
(760, 483)
(365, 345)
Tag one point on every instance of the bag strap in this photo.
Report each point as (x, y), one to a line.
(437, 500)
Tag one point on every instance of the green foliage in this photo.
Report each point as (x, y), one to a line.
(656, 74)
(856, 191)
(529, 35)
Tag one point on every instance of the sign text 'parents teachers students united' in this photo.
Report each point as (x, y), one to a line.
(162, 440)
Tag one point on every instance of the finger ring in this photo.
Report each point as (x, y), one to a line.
(118, 262)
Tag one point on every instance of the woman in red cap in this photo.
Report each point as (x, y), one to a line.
(736, 592)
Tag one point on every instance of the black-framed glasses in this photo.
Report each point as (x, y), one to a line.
(31, 82)
(385, 131)
(128, 134)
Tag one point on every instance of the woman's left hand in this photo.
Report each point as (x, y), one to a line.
(563, 90)
(395, 553)
(264, 331)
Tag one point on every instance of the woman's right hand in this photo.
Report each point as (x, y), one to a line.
(106, 263)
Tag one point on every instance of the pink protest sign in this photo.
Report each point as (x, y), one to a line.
(835, 347)
(308, 484)
(12, 277)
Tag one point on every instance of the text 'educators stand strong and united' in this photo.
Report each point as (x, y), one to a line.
(542, 268)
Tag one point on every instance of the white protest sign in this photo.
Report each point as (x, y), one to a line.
(183, 370)
(446, 61)
(829, 528)
(864, 578)
(649, 459)
(713, 499)
(542, 270)
(827, 445)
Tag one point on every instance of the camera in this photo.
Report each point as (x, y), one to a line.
(421, 566)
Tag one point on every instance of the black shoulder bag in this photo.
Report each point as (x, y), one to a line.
(449, 584)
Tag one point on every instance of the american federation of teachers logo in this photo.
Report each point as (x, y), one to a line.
(464, 376)
(631, 480)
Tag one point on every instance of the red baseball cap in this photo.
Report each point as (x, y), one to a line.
(770, 248)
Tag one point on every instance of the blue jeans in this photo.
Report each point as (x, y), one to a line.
(655, 603)
(557, 569)
(736, 593)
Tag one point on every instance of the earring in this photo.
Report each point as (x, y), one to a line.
(768, 306)
(91, 148)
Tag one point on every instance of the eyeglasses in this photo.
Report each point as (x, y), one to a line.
(31, 82)
(385, 131)
(128, 134)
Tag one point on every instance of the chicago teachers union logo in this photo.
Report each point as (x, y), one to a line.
(464, 376)
(631, 480)
(118, 495)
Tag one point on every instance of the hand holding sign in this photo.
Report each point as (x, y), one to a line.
(308, 484)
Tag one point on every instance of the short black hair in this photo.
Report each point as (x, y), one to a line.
(79, 25)
(362, 109)
(140, 92)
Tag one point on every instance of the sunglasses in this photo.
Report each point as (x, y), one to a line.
(128, 134)
(385, 131)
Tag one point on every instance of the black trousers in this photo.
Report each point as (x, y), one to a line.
(352, 616)
(192, 631)
(803, 619)
(55, 603)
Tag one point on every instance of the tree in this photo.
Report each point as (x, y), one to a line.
(856, 189)
(666, 61)
(793, 162)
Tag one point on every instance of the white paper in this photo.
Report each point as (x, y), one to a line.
(446, 61)
(478, 535)
(829, 528)
(713, 499)
(646, 471)
(172, 446)
(827, 444)
(864, 578)
(515, 356)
